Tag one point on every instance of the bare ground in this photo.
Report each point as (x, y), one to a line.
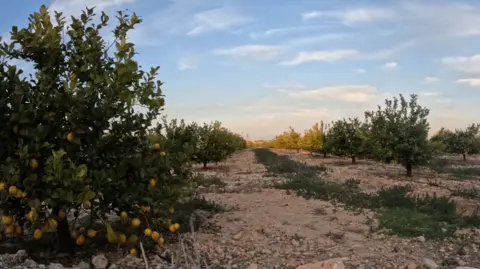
(275, 229)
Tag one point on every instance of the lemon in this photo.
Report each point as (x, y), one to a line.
(87, 204)
(155, 236)
(136, 222)
(153, 182)
(2, 186)
(163, 153)
(33, 163)
(52, 224)
(122, 238)
(13, 190)
(176, 226)
(171, 228)
(37, 234)
(70, 137)
(133, 252)
(123, 214)
(91, 233)
(147, 232)
(161, 241)
(7, 220)
(80, 240)
(156, 146)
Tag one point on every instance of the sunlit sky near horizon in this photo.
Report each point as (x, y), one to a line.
(262, 66)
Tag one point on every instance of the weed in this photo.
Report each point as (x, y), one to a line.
(401, 213)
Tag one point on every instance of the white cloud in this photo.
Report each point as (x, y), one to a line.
(218, 19)
(73, 7)
(284, 31)
(472, 82)
(390, 65)
(429, 80)
(469, 64)
(429, 94)
(188, 61)
(345, 93)
(359, 70)
(253, 52)
(351, 16)
(320, 56)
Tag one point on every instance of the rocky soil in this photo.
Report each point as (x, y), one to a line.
(269, 228)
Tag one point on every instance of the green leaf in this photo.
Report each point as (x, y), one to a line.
(81, 171)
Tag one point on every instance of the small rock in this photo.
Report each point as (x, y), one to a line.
(253, 266)
(219, 250)
(100, 262)
(327, 264)
(55, 266)
(21, 256)
(295, 243)
(30, 263)
(429, 264)
(421, 239)
(412, 266)
(83, 265)
(237, 236)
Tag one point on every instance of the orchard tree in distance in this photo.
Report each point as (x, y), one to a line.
(345, 138)
(399, 131)
(70, 136)
(312, 139)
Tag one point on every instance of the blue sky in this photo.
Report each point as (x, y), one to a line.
(261, 66)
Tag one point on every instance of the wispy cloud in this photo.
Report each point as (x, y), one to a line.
(320, 56)
(299, 29)
(469, 64)
(359, 70)
(351, 16)
(76, 6)
(218, 19)
(390, 65)
(252, 52)
(345, 93)
(472, 82)
(429, 94)
(429, 80)
(188, 62)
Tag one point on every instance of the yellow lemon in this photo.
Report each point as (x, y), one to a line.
(2, 186)
(80, 240)
(155, 236)
(37, 234)
(19, 194)
(122, 238)
(133, 252)
(7, 220)
(91, 233)
(147, 232)
(33, 163)
(87, 204)
(176, 226)
(136, 222)
(13, 190)
(171, 228)
(123, 214)
(10, 229)
(156, 146)
(163, 153)
(161, 241)
(52, 223)
(18, 230)
(153, 182)
(70, 137)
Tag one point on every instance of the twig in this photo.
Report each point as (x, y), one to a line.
(143, 254)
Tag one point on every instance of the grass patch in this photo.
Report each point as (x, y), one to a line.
(461, 172)
(400, 212)
(208, 181)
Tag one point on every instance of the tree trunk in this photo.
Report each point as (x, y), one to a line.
(65, 241)
(204, 165)
(409, 169)
(464, 156)
(324, 154)
(354, 160)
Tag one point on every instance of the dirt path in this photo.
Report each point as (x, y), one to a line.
(274, 229)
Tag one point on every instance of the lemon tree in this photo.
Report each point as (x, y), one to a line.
(72, 138)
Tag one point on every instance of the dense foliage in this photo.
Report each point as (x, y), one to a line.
(73, 141)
